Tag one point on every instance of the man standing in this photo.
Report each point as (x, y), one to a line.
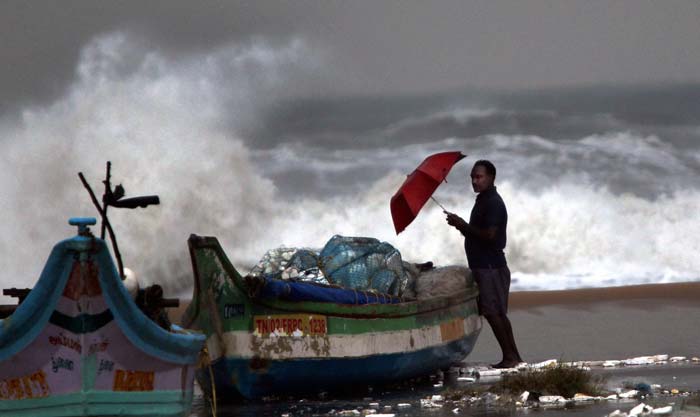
(484, 241)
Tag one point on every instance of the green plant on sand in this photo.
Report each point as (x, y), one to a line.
(557, 380)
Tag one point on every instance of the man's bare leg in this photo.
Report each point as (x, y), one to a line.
(513, 346)
(504, 335)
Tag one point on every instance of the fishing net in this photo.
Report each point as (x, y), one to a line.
(363, 263)
(359, 263)
(298, 264)
(305, 261)
(443, 282)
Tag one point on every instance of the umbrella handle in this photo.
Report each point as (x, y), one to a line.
(436, 202)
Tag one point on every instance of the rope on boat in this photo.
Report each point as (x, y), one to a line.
(204, 360)
(379, 297)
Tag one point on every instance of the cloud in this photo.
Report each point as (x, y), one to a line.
(376, 48)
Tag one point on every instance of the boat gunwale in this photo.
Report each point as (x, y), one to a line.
(423, 306)
(403, 309)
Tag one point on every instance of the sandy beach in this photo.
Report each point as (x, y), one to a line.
(601, 323)
(684, 292)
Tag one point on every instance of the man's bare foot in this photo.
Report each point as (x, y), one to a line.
(505, 364)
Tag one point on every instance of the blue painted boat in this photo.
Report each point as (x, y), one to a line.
(79, 346)
(262, 346)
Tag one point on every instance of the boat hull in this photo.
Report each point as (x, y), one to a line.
(300, 376)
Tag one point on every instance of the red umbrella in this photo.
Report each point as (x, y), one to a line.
(420, 186)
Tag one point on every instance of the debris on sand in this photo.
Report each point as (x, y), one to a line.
(659, 359)
(556, 384)
(551, 384)
(642, 409)
(552, 399)
(546, 364)
(628, 394)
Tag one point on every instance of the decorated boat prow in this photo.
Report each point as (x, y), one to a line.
(296, 338)
(78, 345)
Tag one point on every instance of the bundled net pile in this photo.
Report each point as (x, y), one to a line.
(359, 263)
(364, 263)
(298, 264)
(442, 282)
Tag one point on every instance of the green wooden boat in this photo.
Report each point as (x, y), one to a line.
(263, 347)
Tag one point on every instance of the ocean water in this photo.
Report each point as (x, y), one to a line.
(601, 183)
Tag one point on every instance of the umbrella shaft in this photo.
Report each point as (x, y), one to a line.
(436, 202)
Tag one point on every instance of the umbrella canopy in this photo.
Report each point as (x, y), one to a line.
(420, 186)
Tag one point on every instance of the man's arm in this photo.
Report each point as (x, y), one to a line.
(488, 234)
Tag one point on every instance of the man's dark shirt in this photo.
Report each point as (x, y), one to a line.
(489, 211)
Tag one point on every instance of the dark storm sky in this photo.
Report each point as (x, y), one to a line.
(389, 47)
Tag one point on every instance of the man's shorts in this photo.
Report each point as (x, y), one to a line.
(494, 285)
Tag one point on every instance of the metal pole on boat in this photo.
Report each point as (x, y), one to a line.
(107, 190)
(105, 222)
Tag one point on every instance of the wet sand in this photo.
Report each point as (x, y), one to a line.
(684, 292)
(601, 323)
